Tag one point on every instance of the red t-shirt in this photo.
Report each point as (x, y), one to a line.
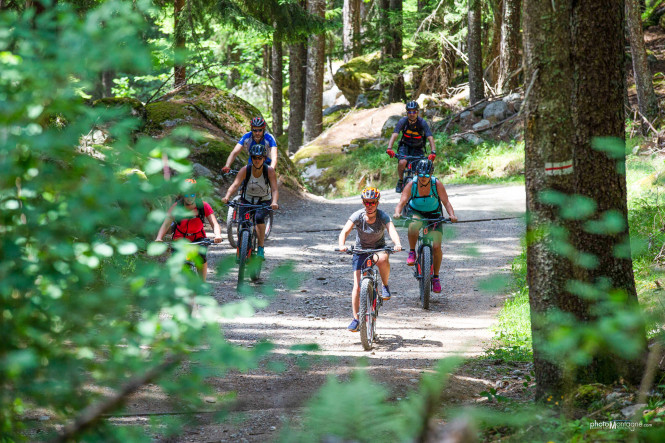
(193, 227)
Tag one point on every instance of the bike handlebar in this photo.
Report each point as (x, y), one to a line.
(353, 250)
(409, 157)
(203, 242)
(237, 204)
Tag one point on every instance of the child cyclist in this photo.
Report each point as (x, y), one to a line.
(371, 224)
(425, 198)
(192, 228)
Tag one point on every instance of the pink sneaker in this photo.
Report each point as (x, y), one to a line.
(411, 259)
(436, 285)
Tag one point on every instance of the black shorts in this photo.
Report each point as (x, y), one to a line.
(358, 260)
(260, 214)
(438, 227)
(406, 150)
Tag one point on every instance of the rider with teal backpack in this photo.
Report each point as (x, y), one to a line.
(425, 198)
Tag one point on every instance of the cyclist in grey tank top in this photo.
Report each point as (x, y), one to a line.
(370, 224)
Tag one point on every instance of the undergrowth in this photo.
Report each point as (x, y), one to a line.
(489, 162)
(646, 217)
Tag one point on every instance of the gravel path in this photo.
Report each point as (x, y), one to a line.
(411, 339)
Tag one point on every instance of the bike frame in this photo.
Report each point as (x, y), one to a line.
(425, 240)
(410, 161)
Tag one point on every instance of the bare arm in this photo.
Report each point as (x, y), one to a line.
(443, 196)
(346, 230)
(394, 236)
(403, 200)
(431, 144)
(232, 156)
(215, 227)
(393, 137)
(167, 222)
(273, 156)
(272, 177)
(236, 184)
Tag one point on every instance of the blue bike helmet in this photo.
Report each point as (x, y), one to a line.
(412, 105)
(258, 149)
(424, 167)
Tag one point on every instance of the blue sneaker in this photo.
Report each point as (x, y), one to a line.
(261, 253)
(385, 293)
(354, 326)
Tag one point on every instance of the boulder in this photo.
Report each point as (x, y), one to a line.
(468, 138)
(496, 111)
(466, 117)
(389, 125)
(357, 76)
(362, 101)
(342, 101)
(330, 96)
(202, 171)
(513, 101)
(481, 125)
(334, 108)
(479, 109)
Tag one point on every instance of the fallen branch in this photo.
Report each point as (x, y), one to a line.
(90, 415)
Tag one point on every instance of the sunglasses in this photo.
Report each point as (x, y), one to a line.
(257, 157)
(257, 130)
(370, 202)
(189, 195)
(424, 175)
(411, 112)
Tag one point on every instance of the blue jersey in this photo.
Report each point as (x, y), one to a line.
(268, 141)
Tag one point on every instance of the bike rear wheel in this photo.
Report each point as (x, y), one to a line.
(243, 254)
(425, 271)
(232, 226)
(367, 314)
(269, 222)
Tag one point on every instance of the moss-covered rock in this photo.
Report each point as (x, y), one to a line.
(136, 106)
(586, 395)
(357, 76)
(219, 117)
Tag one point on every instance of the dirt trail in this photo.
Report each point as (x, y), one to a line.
(411, 340)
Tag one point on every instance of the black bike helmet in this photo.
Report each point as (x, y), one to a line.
(424, 167)
(258, 149)
(410, 106)
(258, 122)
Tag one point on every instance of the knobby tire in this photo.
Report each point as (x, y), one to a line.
(256, 263)
(231, 228)
(269, 224)
(242, 259)
(426, 280)
(367, 316)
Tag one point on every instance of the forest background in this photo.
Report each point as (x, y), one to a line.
(69, 301)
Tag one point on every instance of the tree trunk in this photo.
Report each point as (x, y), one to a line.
(492, 55)
(598, 55)
(351, 29)
(277, 86)
(510, 60)
(548, 139)
(396, 92)
(646, 97)
(575, 80)
(233, 57)
(297, 86)
(107, 83)
(476, 86)
(179, 69)
(315, 66)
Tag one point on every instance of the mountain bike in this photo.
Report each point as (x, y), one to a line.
(370, 298)
(424, 268)
(247, 240)
(232, 220)
(191, 265)
(411, 161)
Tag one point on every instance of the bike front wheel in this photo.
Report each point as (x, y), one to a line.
(425, 271)
(243, 255)
(367, 314)
(254, 266)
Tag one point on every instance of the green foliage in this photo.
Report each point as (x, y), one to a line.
(358, 409)
(85, 305)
